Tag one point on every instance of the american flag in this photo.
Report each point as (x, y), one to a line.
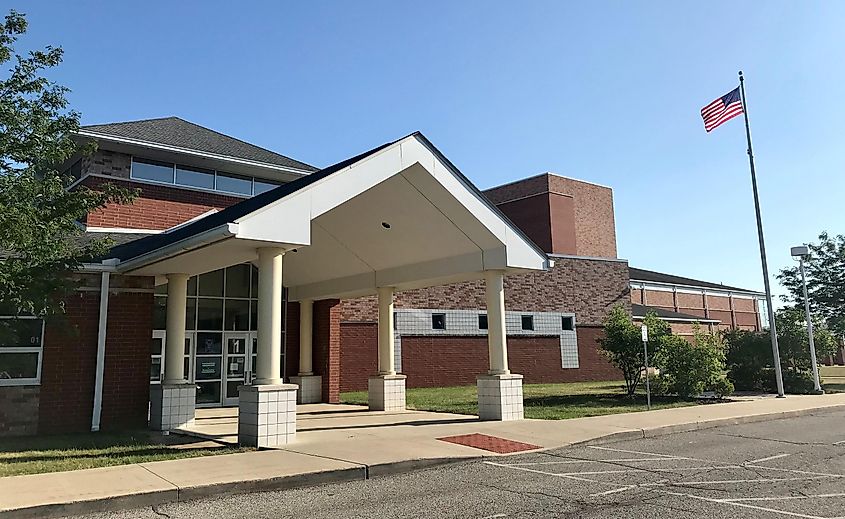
(721, 110)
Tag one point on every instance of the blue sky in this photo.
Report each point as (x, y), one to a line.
(608, 92)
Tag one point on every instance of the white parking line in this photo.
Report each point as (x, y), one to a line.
(640, 453)
(785, 498)
(525, 469)
(770, 458)
(743, 505)
(633, 469)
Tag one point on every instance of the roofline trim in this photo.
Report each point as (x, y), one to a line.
(215, 234)
(698, 287)
(591, 258)
(680, 319)
(189, 151)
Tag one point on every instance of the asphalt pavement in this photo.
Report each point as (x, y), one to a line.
(776, 469)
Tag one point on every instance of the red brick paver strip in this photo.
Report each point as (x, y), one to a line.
(490, 443)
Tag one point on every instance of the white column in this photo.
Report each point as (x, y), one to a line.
(496, 331)
(306, 330)
(385, 331)
(269, 365)
(174, 347)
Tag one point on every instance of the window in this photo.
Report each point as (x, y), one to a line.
(152, 170)
(567, 323)
(20, 350)
(190, 176)
(234, 184)
(482, 321)
(527, 322)
(264, 185)
(438, 321)
(194, 177)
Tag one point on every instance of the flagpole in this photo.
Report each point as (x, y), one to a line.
(772, 329)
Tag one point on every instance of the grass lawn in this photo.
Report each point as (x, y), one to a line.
(543, 401)
(38, 454)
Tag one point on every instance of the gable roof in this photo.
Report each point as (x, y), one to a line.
(232, 213)
(640, 311)
(173, 131)
(636, 274)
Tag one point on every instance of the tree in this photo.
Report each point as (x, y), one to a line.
(622, 343)
(794, 342)
(39, 231)
(690, 367)
(825, 270)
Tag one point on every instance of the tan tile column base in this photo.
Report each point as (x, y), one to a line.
(172, 405)
(310, 389)
(267, 415)
(500, 397)
(387, 393)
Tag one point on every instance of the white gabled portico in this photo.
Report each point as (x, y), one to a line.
(398, 217)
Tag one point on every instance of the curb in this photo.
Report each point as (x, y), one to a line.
(361, 472)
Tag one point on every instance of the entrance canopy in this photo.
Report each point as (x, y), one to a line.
(400, 215)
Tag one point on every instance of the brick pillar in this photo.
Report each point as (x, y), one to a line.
(327, 347)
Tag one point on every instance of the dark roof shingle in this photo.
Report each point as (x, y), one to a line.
(173, 131)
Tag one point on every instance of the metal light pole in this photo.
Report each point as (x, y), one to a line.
(801, 253)
(647, 381)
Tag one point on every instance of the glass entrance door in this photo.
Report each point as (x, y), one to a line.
(237, 362)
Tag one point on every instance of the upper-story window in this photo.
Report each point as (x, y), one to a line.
(169, 173)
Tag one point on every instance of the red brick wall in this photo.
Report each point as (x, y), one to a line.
(532, 214)
(562, 219)
(594, 222)
(126, 378)
(458, 360)
(587, 287)
(68, 365)
(157, 207)
(358, 355)
(326, 343)
(70, 356)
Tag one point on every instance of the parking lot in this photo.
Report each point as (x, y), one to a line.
(783, 468)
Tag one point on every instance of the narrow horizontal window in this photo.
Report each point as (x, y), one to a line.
(152, 170)
(482, 321)
(438, 321)
(527, 322)
(567, 323)
(264, 185)
(234, 184)
(194, 177)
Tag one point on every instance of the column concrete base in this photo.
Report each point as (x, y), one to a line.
(500, 397)
(310, 389)
(387, 393)
(267, 415)
(172, 405)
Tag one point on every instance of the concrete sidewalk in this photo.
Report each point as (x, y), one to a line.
(357, 446)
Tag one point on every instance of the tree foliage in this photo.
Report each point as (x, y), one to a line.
(690, 367)
(622, 343)
(825, 270)
(39, 230)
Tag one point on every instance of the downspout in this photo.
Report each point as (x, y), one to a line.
(105, 277)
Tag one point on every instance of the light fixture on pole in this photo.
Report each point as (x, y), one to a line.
(801, 253)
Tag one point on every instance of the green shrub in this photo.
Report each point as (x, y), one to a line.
(690, 367)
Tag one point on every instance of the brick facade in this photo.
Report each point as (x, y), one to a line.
(157, 207)
(326, 344)
(431, 361)
(64, 400)
(587, 287)
(733, 312)
(589, 216)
